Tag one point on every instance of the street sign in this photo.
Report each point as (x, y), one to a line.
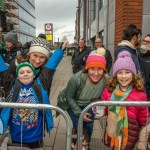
(48, 27)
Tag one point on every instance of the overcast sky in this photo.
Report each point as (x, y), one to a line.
(61, 13)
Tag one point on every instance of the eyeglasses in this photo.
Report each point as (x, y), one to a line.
(98, 42)
(146, 41)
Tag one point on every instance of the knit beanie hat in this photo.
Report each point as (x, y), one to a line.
(11, 37)
(124, 62)
(25, 64)
(96, 59)
(40, 45)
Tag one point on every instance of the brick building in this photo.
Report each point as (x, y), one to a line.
(108, 18)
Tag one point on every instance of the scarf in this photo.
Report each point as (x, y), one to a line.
(144, 49)
(117, 121)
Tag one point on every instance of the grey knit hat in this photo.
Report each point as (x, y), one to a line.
(40, 45)
(11, 37)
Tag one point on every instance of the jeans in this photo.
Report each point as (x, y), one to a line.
(86, 125)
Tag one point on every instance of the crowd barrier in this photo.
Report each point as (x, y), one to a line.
(102, 103)
(44, 106)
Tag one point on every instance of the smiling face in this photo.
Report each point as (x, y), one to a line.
(37, 59)
(25, 75)
(124, 78)
(95, 74)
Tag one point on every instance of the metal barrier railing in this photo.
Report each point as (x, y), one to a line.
(102, 103)
(44, 106)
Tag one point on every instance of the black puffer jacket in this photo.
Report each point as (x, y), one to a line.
(79, 59)
(108, 60)
(10, 55)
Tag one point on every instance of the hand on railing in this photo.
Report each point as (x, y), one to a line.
(87, 117)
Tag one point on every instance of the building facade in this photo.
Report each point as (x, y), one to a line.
(108, 18)
(19, 15)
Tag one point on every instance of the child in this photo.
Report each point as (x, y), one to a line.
(85, 141)
(123, 123)
(26, 125)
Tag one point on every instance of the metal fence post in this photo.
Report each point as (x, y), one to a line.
(102, 103)
(44, 106)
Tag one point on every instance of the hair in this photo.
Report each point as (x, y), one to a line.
(83, 40)
(148, 35)
(137, 83)
(41, 35)
(21, 58)
(130, 31)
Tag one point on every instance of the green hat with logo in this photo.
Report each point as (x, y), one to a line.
(24, 64)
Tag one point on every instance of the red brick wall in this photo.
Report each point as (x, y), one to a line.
(127, 12)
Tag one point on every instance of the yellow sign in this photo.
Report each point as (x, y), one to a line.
(49, 37)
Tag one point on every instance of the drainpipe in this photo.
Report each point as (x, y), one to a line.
(107, 19)
(97, 18)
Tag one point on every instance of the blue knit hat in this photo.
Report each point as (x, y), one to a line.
(124, 62)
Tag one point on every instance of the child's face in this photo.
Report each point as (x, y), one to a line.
(124, 78)
(25, 75)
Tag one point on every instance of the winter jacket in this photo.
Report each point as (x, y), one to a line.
(145, 59)
(137, 115)
(40, 87)
(127, 46)
(79, 59)
(10, 55)
(72, 95)
(3, 48)
(108, 60)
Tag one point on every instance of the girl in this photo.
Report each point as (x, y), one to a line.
(123, 123)
(28, 89)
(82, 88)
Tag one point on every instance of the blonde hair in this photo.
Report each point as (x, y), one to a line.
(137, 82)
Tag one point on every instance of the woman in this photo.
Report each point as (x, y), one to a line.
(82, 88)
(38, 56)
(39, 53)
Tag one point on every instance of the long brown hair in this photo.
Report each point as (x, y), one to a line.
(137, 82)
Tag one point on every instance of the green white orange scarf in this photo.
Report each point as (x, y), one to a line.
(117, 121)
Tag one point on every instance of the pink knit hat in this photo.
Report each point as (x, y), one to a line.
(95, 60)
(124, 62)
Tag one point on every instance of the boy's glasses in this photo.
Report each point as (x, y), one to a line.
(146, 41)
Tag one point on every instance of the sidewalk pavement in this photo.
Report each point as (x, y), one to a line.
(57, 138)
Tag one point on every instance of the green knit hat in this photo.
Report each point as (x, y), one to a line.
(24, 64)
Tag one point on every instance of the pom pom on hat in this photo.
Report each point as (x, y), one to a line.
(40, 45)
(124, 62)
(101, 51)
(95, 60)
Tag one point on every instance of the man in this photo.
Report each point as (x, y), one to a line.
(98, 44)
(79, 57)
(131, 40)
(145, 57)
